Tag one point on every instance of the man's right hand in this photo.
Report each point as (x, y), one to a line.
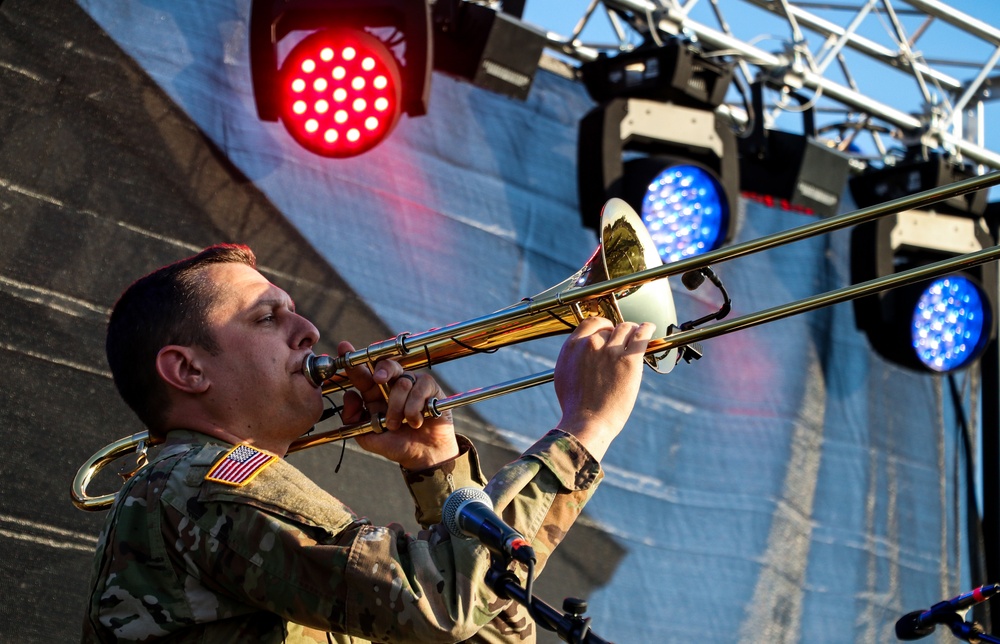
(418, 443)
(597, 379)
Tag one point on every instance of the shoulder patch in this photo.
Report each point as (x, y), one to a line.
(240, 465)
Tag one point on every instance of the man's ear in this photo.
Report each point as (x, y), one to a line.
(180, 368)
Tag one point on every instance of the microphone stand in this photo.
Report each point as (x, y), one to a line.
(570, 626)
(969, 631)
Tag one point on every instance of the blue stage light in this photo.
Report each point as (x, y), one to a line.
(938, 325)
(685, 211)
(950, 323)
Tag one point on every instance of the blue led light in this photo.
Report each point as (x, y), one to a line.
(949, 324)
(684, 211)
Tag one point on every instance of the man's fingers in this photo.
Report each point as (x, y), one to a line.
(592, 325)
(639, 337)
(628, 337)
(354, 407)
(408, 398)
(408, 393)
(621, 334)
(387, 371)
(423, 389)
(399, 392)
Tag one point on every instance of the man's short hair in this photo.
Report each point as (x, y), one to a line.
(168, 306)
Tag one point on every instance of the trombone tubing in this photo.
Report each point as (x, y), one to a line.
(864, 215)
(844, 294)
(773, 314)
(692, 336)
(402, 345)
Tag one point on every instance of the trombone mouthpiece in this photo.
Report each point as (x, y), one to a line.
(318, 368)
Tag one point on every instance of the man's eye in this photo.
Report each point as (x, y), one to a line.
(267, 318)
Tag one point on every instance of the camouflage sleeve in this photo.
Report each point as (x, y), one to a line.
(540, 495)
(431, 487)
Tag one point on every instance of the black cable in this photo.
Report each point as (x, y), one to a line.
(560, 319)
(973, 526)
(343, 450)
(690, 280)
(529, 583)
(333, 410)
(471, 348)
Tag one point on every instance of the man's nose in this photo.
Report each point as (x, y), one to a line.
(308, 334)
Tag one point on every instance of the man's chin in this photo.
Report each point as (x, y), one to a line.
(319, 411)
(308, 416)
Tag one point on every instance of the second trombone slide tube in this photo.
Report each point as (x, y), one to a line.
(413, 342)
(838, 296)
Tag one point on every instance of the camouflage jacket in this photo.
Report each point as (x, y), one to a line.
(274, 558)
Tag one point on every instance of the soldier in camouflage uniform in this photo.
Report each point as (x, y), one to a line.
(219, 539)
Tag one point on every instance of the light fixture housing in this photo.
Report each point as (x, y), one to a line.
(674, 72)
(655, 136)
(489, 48)
(898, 323)
(314, 116)
(793, 171)
(656, 110)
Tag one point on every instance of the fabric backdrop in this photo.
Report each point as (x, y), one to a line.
(790, 486)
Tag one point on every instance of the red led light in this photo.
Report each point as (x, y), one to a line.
(340, 92)
(772, 202)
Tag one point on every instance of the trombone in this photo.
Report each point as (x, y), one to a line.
(623, 280)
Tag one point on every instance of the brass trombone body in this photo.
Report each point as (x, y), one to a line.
(624, 280)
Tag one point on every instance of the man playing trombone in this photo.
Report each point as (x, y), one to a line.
(219, 539)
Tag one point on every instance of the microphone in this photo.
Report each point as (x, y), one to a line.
(693, 279)
(921, 623)
(468, 514)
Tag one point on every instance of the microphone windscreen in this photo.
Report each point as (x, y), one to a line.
(909, 628)
(454, 503)
(692, 279)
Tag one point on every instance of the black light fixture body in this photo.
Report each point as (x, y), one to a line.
(794, 168)
(914, 238)
(488, 48)
(272, 20)
(654, 103)
(674, 72)
(920, 170)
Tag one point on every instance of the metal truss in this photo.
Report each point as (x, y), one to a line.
(822, 43)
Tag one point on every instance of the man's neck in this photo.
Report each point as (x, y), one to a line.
(278, 447)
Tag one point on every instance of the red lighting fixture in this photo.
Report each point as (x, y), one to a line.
(341, 89)
(776, 202)
(796, 172)
(339, 92)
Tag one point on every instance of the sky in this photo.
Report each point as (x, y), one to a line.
(875, 80)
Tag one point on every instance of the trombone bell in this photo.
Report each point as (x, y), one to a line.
(627, 248)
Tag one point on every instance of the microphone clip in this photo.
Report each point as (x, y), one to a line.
(950, 613)
(694, 279)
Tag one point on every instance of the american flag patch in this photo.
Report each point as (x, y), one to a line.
(240, 465)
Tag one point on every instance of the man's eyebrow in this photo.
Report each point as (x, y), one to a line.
(273, 302)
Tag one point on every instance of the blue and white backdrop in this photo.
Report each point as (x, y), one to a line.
(790, 486)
